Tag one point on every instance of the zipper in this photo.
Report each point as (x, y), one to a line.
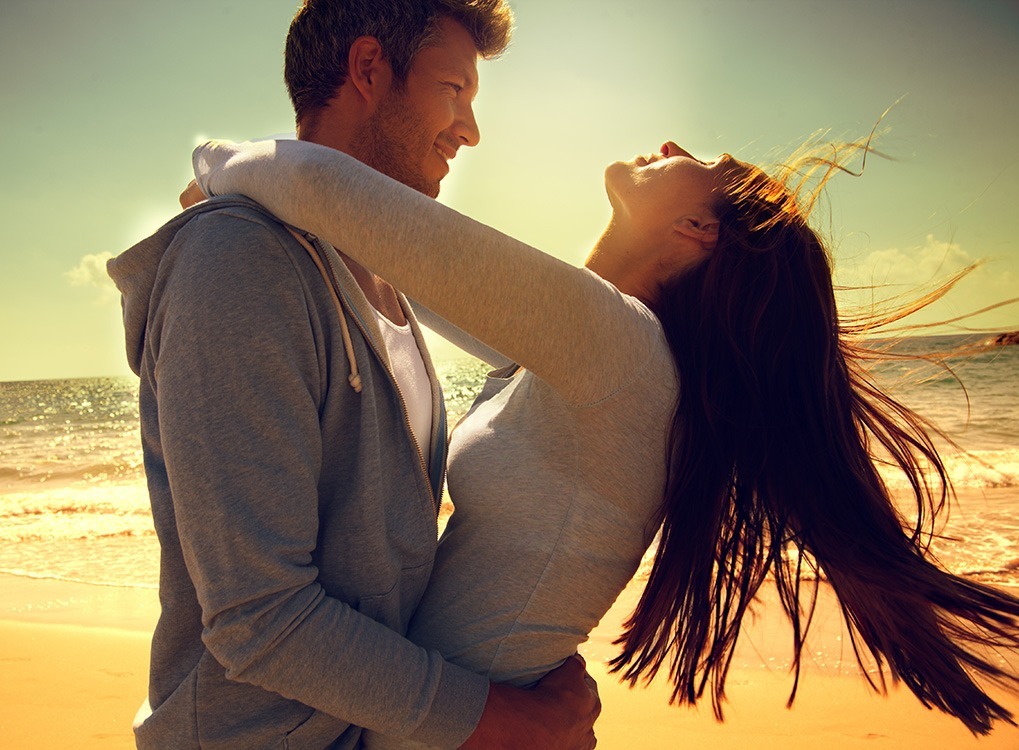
(443, 428)
(436, 496)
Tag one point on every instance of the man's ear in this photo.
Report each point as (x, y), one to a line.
(368, 70)
(703, 229)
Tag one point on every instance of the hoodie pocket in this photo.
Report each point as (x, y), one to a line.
(317, 732)
(395, 607)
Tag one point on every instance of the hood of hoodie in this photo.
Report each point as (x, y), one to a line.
(134, 271)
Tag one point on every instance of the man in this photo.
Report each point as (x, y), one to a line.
(296, 510)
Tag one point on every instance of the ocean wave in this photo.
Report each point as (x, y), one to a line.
(58, 472)
(76, 529)
(979, 469)
(74, 509)
(75, 513)
(76, 535)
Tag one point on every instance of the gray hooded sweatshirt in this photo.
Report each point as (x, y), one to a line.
(296, 516)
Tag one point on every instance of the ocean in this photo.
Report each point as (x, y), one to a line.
(73, 503)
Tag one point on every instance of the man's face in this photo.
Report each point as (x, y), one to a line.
(418, 128)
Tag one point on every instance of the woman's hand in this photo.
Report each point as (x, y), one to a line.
(192, 194)
(559, 712)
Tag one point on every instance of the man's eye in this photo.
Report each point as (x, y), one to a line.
(456, 87)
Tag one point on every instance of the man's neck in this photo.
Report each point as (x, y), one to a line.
(380, 293)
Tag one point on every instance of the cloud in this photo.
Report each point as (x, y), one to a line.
(895, 273)
(91, 272)
(911, 268)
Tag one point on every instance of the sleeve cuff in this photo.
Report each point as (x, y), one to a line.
(456, 710)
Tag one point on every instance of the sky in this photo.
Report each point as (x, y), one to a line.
(101, 103)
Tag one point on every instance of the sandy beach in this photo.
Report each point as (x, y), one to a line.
(75, 659)
(75, 662)
(834, 709)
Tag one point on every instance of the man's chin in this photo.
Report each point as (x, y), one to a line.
(420, 180)
(427, 186)
(433, 192)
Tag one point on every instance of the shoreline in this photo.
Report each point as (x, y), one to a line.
(53, 601)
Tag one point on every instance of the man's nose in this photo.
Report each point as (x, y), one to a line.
(466, 127)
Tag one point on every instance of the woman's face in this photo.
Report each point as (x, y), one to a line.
(665, 186)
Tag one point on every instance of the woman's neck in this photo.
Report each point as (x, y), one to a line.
(616, 259)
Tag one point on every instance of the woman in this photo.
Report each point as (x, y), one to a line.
(693, 378)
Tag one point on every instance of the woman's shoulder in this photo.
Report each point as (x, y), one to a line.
(634, 358)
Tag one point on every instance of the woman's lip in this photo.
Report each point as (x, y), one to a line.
(643, 160)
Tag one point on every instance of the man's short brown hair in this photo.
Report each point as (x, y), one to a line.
(323, 31)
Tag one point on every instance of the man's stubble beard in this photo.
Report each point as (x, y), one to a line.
(385, 141)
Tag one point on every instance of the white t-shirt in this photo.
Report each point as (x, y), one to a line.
(411, 376)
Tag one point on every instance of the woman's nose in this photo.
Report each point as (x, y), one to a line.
(670, 148)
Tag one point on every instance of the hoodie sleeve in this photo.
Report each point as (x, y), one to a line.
(238, 384)
(565, 324)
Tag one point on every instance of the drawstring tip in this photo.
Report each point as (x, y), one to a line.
(355, 381)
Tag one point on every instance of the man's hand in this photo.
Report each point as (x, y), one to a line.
(192, 194)
(557, 714)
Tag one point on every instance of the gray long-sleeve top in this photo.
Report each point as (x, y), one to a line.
(557, 472)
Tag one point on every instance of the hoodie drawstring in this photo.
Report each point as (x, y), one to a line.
(353, 378)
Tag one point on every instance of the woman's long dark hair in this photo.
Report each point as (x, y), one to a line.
(772, 471)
